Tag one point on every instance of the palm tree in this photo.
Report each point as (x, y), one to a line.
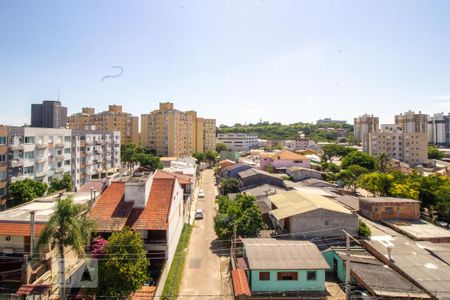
(383, 160)
(67, 227)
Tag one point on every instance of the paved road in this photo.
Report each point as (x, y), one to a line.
(202, 276)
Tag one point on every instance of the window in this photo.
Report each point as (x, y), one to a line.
(67, 150)
(287, 276)
(326, 223)
(264, 276)
(2, 192)
(389, 210)
(2, 174)
(67, 139)
(67, 162)
(2, 140)
(28, 170)
(2, 157)
(311, 275)
(29, 154)
(29, 140)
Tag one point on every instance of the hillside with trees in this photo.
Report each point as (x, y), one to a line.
(278, 131)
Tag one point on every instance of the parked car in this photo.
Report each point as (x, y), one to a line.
(199, 214)
(201, 194)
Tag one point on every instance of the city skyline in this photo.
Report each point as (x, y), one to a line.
(289, 61)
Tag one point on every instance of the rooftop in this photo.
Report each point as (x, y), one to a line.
(296, 202)
(387, 200)
(240, 283)
(284, 155)
(263, 190)
(182, 179)
(419, 229)
(273, 254)
(97, 186)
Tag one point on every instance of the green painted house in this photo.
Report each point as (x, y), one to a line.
(283, 265)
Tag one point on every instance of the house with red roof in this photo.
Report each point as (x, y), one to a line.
(152, 205)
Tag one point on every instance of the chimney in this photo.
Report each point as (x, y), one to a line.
(389, 252)
(137, 190)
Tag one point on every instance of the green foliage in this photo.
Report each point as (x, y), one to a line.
(173, 280)
(131, 153)
(277, 147)
(434, 153)
(241, 212)
(377, 183)
(359, 158)
(211, 155)
(147, 161)
(26, 190)
(221, 147)
(330, 167)
(331, 151)
(363, 229)
(382, 161)
(278, 131)
(64, 183)
(229, 185)
(288, 177)
(349, 177)
(126, 268)
(199, 156)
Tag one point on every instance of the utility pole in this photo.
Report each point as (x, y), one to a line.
(347, 266)
(32, 233)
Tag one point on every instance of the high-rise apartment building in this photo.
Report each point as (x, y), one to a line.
(171, 132)
(114, 119)
(439, 130)
(409, 147)
(412, 122)
(363, 125)
(45, 154)
(238, 141)
(49, 114)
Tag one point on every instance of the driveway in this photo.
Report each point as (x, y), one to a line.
(204, 268)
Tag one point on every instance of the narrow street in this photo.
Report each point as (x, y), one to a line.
(204, 268)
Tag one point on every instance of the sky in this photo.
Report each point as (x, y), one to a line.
(236, 61)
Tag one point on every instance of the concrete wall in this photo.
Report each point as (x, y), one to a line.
(324, 223)
(17, 243)
(138, 192)
(274, 285)
(380, 210)
(175, 222)
(305, 174)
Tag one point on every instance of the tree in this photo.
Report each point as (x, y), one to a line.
(363, 229)
(26, 190)
(211, 156)
(229, 185)
(65, 183)
(277, 147)
(383, 159)
(359, 158)
(377, 183)
(126, 268)
(147, 161)
(67, 227)
(350, 176)
(199, 156)
(331, 151)
(241, 212)
(434, 153)
(221, 147)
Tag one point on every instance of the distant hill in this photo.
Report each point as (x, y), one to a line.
(278, 131)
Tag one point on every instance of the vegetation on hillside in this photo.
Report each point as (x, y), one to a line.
(278, 131)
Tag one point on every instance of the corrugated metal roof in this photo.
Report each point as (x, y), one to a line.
(273, 254)
(296, 202)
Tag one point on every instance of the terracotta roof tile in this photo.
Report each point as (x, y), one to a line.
(182, 179)
(97, 185)
(18, 229)
(110, 211)
(240, 283)
(144, 293)
(156, 213)
(34, 289)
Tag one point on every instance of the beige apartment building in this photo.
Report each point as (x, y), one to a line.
(410, 148)
(114, 119)
(172, 132)
(412, 122)
(364, 125)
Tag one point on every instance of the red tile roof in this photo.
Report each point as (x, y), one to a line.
(97, 185)
(155, 215)
(18, 229)
(144, 293)
(34, 289)
(182, 179)
(240, 283)
(110, 211)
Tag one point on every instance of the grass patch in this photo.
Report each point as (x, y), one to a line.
(172, 285)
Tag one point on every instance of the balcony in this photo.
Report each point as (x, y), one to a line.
(59, 170)
(16, 147)
(59, 145)
(41, 173)
(41, 146)
(16, 162)
(59, 158)
(40, 160)
(108, 141)
(18, 178)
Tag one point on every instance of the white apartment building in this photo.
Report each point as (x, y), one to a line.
(439, 129)
(409, 147)
(45, 154)
(238, 141)
(39, 153)
(364, 125)
(95, 152)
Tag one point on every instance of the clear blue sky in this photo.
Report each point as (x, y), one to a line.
(236, 61)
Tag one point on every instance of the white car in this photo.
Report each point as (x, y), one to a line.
(201, 194)
(199, 214)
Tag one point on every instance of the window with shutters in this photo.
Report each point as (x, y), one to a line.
(281, 276)
(264, 276)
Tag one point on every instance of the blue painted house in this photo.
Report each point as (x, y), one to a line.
(283, 265)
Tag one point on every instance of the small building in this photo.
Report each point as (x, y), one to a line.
(166, 160)
(311, 214)
(389, 208)
(254, 177)
(225, 163)
(279, 266)
(233, 170)
(282, 160)
(300, 173)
